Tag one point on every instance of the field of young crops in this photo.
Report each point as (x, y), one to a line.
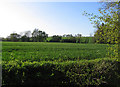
(43, 64)
(38, 51)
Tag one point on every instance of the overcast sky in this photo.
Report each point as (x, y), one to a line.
(55, 18)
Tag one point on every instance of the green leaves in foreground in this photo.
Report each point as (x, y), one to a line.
(69, 73)
(108, 26)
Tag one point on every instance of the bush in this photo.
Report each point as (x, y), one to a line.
(69, 40)
(55, 38)
(61, 74)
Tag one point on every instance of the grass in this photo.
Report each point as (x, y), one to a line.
(43, 51)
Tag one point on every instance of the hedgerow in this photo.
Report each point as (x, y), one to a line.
(83, 73)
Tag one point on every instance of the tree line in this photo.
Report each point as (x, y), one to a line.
(36, 36)
(41, 36)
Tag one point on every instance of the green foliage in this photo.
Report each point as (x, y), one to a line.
(108, 25)
(87, 40)
(25, 38)
(39, 36)
(57, 64)
(48, 39)
(77, 39)
(56, 38)
(13, 37)
(70, 73)
(69, 40)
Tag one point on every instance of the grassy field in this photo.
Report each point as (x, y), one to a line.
(36, 51)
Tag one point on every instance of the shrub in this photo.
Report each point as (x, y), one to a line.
(68, 73)
(55, 38)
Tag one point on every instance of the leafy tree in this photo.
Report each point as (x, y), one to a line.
(14, 37)
(35, 35)
(39, 36)
(99, 34)
(109, 32)
(69, 35)
(26, 36)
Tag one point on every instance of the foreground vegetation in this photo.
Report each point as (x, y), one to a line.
(96, 72)
(58, 65)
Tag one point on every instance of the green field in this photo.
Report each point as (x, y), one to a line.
(44, 64)
(36, 51)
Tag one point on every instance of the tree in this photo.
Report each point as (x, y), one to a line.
(56, 38)
(39, 36)
(79, 35)
(64, 35)
(69, 35)
(69, 40)
(109, 32)
(26, 36)
(14, 37)
(98, 36)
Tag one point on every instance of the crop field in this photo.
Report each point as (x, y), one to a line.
(36, 51)
(58, 65)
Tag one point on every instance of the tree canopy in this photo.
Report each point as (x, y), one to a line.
(108, 25)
